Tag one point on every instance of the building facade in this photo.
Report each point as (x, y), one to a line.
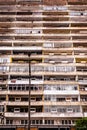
(54, 32)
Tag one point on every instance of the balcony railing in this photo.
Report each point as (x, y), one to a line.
(20, 48)
(33, 103)
(82, 81)
(85, 114)
(16, 92)
(25, 81)
(61, 92)
(9, 114)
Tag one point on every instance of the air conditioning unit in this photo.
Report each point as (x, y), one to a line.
(13, 81)
(34, 79)
(84, 32)
(86, 88)
(52, 62)
(0, 88)
(65, 62)
(85, 79)
(68, 99)
(33, 99)
(69, 110)
(16, 110)
(32, 110)
(63, 54)
(51, 54)
(83, 62)
(82, 54)
(54, 110)
(3, 72)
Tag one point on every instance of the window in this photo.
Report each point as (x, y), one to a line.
(49, 122)
(37, 122)
(33, 122)
(47, 98)
(64, 122)
(17, 99)
(3, 69)
(4, 60)
(53, 98)
(41, 122)
(9, 122)
(1, 108)
(24, 122)
(73, 121)
(46, 109)
(69, 122)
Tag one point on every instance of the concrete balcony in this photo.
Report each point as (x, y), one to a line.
(81, 56)
(81, 64)
(60, 115)
(82, 73)
(20, 103)
(25, 56)
(85, 114)
(39, 73)
(17, 114)
(4, 73)
(21, 48)
(25, 81)
(83, 92)
(84, 103)
(51, 34)
(84, 82)
(56, 73)
(66, 103)
(39, 92)
(45, 103)
(57, 115)
(3, 82)
(3, 92)
(61, 92)
(79, 49)
(60, 82)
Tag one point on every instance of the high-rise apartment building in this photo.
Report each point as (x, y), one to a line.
(54, 32)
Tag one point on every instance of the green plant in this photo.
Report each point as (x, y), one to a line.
(81, 124)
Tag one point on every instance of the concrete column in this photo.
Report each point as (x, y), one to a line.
(58, 128)
(76, 77)
(79, 98)
(4, 121)
(43, 121)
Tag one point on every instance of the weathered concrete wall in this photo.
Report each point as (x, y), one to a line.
(26, 129)
(54, 2)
